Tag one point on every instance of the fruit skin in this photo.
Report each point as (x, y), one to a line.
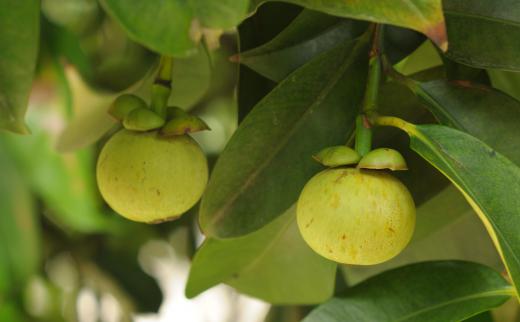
(149, 178)
(354, 216)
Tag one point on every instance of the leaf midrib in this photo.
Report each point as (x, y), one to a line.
(271, 244)
(508, 291)
(219, 213)
(259, 53)
(501, 240)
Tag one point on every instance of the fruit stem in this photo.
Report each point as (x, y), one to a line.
(161, 87)
(363, 143)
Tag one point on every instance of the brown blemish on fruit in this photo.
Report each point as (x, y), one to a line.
(341, 176)
(309, 223)
(158, 192)
(343, 237)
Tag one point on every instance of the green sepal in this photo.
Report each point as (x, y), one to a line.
(184, 124)
(336, 156)
(142, 119)
(175, 112)
(383, 158)
(124, 104)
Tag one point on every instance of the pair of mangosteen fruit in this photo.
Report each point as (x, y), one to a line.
(354, 212)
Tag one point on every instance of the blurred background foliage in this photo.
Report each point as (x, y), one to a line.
(65, 256)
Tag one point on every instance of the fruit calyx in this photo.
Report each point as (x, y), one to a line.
(377, 159)
(335, 156)
(383, 158)
(136, 115)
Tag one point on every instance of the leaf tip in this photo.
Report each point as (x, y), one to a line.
(437, 33)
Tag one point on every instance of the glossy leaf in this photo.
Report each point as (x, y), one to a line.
(485, 33)
(273, 263)
(471, 108)
(447, 291)
(487, 179)
(19, 230)
(174, 27)
(423, 16)
(308, 35)
(479, 110)
(268, 160)
(19, 35)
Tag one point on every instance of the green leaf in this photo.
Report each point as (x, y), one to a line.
(268, 21)
(78, 16)
(10, 312)
(268, 160)
(508, 82)
(19, 230)
(308, 35)
(423, 58)
(487, 179)
(482, 317)
(423, 16)
(273, 263)
(484, 112)
(163, 26)
(447, 291)
(479, 110)
(19, 35)
(174, 27)
(220, 14)
(484, 33)
(65, 182)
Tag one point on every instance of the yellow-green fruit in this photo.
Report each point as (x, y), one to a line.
(150, 178)
(355, 216)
